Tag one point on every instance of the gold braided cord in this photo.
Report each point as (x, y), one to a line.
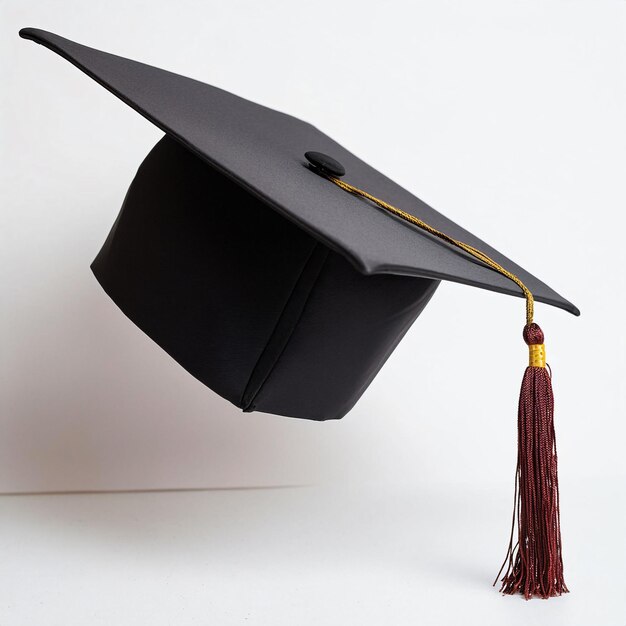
(481, 256)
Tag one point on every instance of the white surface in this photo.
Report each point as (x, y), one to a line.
(507, 116)
(305, 556)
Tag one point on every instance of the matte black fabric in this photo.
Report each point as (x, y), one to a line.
(277, 289)
(263, 151)
(247, 302)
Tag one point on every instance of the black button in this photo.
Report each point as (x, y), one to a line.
(325, 164)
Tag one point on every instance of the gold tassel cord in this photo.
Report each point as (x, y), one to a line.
(481, 256)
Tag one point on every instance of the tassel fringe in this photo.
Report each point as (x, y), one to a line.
(534, 563)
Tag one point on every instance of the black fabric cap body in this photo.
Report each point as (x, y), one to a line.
(280, 291)
(247, 302)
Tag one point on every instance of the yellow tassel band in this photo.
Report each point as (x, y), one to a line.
(537, 355)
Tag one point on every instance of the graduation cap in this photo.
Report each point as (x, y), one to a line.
(281, 271)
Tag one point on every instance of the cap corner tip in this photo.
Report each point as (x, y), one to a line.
(26, 33)
(570, 308)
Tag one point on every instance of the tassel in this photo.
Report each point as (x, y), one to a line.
(535, 563)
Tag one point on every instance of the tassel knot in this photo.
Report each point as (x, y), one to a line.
(533, 335)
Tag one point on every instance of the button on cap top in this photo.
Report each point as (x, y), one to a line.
(325, 164)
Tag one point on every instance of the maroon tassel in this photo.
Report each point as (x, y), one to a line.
(535, 564)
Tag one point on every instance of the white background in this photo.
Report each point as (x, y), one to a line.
(507, 116)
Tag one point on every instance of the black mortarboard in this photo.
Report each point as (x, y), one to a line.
(242, 252)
